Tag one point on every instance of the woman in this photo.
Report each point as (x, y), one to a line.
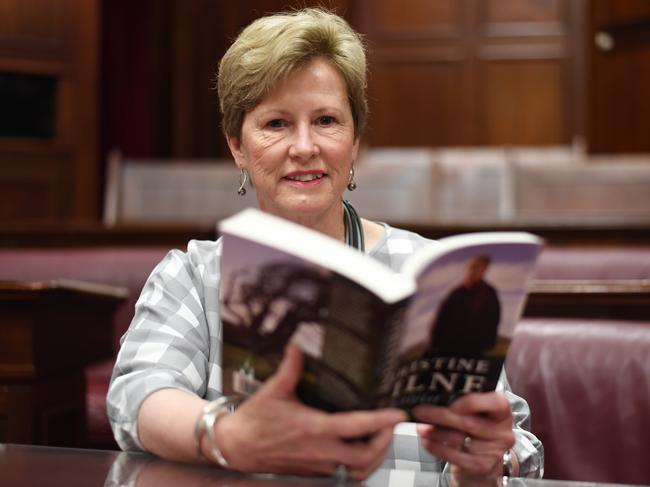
(292, 93)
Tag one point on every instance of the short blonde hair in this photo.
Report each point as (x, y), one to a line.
(272, 47)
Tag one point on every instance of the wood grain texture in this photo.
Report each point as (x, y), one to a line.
(54, 178)
(471, 73)
(619, 78)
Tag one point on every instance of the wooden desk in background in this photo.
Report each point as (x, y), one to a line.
(49, 331)
(621, 299)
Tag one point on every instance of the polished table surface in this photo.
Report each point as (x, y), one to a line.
(25, 465)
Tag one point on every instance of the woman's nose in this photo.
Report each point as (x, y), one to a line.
(303, 145)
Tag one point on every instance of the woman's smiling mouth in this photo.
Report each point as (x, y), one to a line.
(305, 177)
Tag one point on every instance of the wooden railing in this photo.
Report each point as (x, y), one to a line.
(615, 299)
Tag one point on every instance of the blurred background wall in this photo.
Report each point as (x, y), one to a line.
(81, 77)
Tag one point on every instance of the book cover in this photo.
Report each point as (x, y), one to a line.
(471, 291)
(371, 337)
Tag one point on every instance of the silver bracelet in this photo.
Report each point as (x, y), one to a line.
(209, 416)
(508, 467)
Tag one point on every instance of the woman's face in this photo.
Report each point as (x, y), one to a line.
(298, 144)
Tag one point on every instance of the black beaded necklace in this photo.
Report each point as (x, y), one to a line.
(353, 227)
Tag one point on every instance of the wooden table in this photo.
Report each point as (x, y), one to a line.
(49, 331)
(24, 466)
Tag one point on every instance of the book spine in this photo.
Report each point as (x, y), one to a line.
(389, 351)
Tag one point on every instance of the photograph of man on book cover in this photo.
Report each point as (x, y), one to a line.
(468, 318)
(459, 325)
(468, 297)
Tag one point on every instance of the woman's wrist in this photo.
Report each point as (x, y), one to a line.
(206, 442)
(510, 464)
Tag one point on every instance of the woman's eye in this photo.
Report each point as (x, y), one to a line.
(325, 120)
(276, 123)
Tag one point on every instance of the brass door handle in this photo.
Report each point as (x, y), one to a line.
(604, 41)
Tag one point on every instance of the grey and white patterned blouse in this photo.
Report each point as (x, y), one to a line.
(174, 341)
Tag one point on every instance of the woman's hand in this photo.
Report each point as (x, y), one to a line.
(273, 432)
(484, 418)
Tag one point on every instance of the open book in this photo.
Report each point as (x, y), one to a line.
(371, 337)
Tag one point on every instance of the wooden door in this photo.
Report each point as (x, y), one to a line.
(618, 109)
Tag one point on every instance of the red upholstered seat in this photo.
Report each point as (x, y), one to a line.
(98, 430)
(118, 266)
(588, 386)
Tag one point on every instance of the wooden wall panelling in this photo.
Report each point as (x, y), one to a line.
(420, 78)
(249, 10)
(619, 11)
(618, 37)
(514, 12)
(471, 72)
(417, 104)
(197, 41)
(85, 99)
(32, 29)
(59, 40)
(421, 18)
(577, 77)
(36, 186)
(522, 103)
(188, 40)
(523, 54)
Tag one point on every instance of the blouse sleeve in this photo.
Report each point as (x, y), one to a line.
(171, 341)
(528, 448)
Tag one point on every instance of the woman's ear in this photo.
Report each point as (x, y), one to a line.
(235, 149)
(355, 148)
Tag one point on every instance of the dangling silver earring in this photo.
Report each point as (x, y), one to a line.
(243, 178)
(352, 185)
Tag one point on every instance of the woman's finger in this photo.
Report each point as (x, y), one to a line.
(359, 424)
(447, 437)
(486, 416)
(444, 417)
(283, 383)
(491, 404)
(473, 463)
(377, 448)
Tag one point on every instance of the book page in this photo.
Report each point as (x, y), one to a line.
(276, 233)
